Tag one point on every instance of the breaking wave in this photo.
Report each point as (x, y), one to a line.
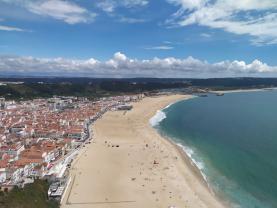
(157, 118)
(191, 154)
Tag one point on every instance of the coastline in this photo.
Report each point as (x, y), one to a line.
(138, 166)
(244, 90)
(196, 170)
(187, 158)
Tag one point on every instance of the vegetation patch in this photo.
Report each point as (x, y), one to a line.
(31, 196)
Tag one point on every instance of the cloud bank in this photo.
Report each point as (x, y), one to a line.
(257, 18)
(122, 66)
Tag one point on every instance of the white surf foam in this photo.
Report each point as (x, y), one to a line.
(157, 118)
(169, 105)
(191, 154)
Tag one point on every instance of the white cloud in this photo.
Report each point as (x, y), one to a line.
(244, 17)
(130, 20)
(122, 66)
(205, 35)
(133, 3)
(111, 5)
(106, 5)
(161, 47)
(167, 42)
(62, 10)
(189, 4)
(9, 28)
(120, 57)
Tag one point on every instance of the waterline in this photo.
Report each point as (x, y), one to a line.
(231, 141)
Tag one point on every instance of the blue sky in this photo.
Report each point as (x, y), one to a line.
(161, 38)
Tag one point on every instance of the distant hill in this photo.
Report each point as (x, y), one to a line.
(43, 87)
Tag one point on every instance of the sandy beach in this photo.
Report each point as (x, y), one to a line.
(129, 165)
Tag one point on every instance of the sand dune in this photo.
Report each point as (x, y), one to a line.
(129, 165)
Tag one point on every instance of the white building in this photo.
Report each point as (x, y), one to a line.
(3, 175)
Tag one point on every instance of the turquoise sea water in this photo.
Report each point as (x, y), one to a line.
(233, 140)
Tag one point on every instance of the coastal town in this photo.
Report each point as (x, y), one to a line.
(40, 138)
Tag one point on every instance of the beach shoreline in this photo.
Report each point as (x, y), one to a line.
(187, 159)
(138, 166)
(197, 172)
(244, 90)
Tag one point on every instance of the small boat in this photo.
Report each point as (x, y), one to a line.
(219, 94)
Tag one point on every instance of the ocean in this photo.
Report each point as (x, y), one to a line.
(232, 139)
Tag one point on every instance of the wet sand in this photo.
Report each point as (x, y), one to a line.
(129, 165)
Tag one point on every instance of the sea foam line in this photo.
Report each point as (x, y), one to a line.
(169, 105)
(157, 118)
(191, 154)
(160, 116)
